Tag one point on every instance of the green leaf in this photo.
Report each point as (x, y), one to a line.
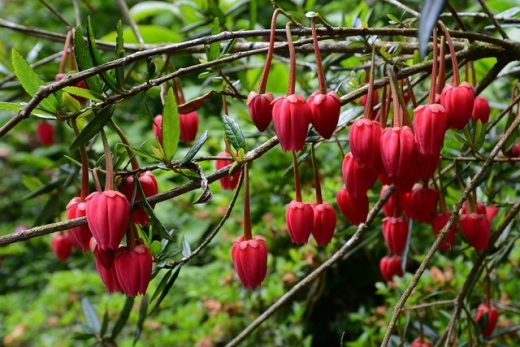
(143, 310)
(84, 60)
(165, 291)
(49, 187)
(94, 126)
(170, 126)
(234, 133)
(90, 315)
(150, 34)
(162, 284)
(84, 93)
(145, 9)
(195, 148)
(123, 317)
(214, 48)
(144, 154)
(120, 53)
(15, 107)
(253, 13)
(70, 103)
(429, 14)
(30, 81)
(186, 249)
(104, 323)
(96, 57)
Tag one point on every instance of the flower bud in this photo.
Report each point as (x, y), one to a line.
(422, 203)
(228, 182)
(189, 124)
(458, 103)
(133, 269)
(438, 223)
(260, 109)
(157, 128)
(375, 98)
(390, 266)
(45, 133)
(395, 233)
(325, 109)
(481, 109)
(357, 180)
(291, 117)
(490, 314)
(250, 260)
(364, 140)
(396, 203)
(354, 209)
(324, 223)
(150, 188)
(80, 235)
(476, 229)
(61, 246)
(108, 276)
(108, 215)
(105, 256)
(419, 342)
(299, 217)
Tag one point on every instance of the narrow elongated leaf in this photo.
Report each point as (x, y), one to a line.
(195, 104)
(30, 81)
(49, 187)
(253, 12)
(165, 291)
(161, 285)
(234, 133)
(90, 315)
(214, 48)
(195, 148)
(84, 60)
(70, 103)
(15, 107)
(104, 323)
(96, 57)
(186, 249)
(170, 126)
(94, 126)
(429, 14)
(84, 93)
(120, 53)
(143, 310)
(123, 317)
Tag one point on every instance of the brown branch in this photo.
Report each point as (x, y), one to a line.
(431, 252)
(493, 19)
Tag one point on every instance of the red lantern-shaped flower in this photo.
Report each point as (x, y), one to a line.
(45, 133)
(291, 117)
(108, 276)
(488, 312)
(108, 214)
(357, 180)
(458, 103)
(395, 233)
(250, 260)
(419, 342)
(375, 98)
(299, 217)
(396, 203)
(157, 128)
(133, 269)
(105, 256)
(324, 223)
(325, 109)
(438, 223)
(481, 109)
(228, 182)
(399, 156)
(260, 109)
(150, 188)
(364, 139)
(61, 246)
(476, 229)
(189, 124)
(390, 266)
(354, 209)
(422, 203)
(81, 235)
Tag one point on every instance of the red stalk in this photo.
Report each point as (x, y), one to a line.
(455, 66)
(66, 48)
(247, 213)
(370, 97)
(442, 67)
(297, 186)
(292, 58)
(270, 51)
(319, 198)
(431, 96)
(319, 67)
(109, 178)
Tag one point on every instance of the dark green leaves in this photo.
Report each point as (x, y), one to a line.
(170, 126)
(143, 310)
(234, 133)
(429, 15)
(123, 317)
(94, 126)
(214, 48)
(195, 148)
(120, 53)
(84, 60)
(96, 57)
(90, 314)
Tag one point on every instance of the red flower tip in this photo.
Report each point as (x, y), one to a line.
(354, 209)
(79, 235)
(458, 103)
(133, 269)
(390, 266)
(250, 260)
(291, 117)
(324, 223)
(61, 245)
(150, 188)
(481, 109)
(45, 133)
(189, 124)
(325, 109)
(260, 109)
(228, 182)
(299, 217)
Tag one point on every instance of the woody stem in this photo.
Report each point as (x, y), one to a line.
(269, 57)
(109, 180)
(297, 186)
(319, 198)
(292, 58)
(247, 212)
(321, 77)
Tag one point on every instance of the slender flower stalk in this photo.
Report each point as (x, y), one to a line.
(321, 76)
(319, 198)
(297, 186)
(247, 212)
(109, 178)
(269, 57)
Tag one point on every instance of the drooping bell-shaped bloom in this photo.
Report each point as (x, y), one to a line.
(420, 342)
(430, 124)
(481, 109)
(291, 118)
(364, 140)
(189, 124)
(133, 269)
(325, 109)
(488, 312)
(105, 256)
(438, 223)
(458, 103)
(260, 109)
(396, 203)
(108, 215)
(422, 203)
(395, 233)
(357, 180)
(45, 133)
(61, 246)
(491, 213)
(250, 260)
(375, 98)
(299, 217)
(80, 235)
(480, 208)
(399, 156)
(476, 229)
(108, 276)
(150, 188)
(390, 266)
(157, 128)
(354, 209)
(324, 223)
(228, 182)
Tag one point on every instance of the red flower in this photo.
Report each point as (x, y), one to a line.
(324, 223)
(396, 203)
(357, 180)
(45, 133)
(481, 109)
(61, 246)
(80, 235)
(325, 109)
(422, 203)
(105, 256)
(390, 266)
(228, 182)
(80, 84)
(364, 139)
(458, 103)
(299, 217)
(108, 276)
(438, 223)
(133, 269)
(418, 342)
(189, 124)
(108, 215)
(291, 117)
(354, 209)
(157, 128)
(250, 260)
(375, 98)
(260, 109)
(395, 233)
(476, 229)
(492, 318)
(150, 188)
(491, 213)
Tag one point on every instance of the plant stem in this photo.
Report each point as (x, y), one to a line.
(370, 97)
(247, 212)
(321, 77)
(124, 140)
(109, 179)
(455, 65)
(431, 96)
(473, 75)
(292, 57)
(96, 180)
(66, 47)
(398, 120)
(412, 94)
(269, 57)
(131, 236)
(224, 104)
(84, 165)
(297, 186)
(442, 66)
(319, 198)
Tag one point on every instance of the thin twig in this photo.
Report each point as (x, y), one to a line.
(130, 21)
(493, 19)
(56, 13)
